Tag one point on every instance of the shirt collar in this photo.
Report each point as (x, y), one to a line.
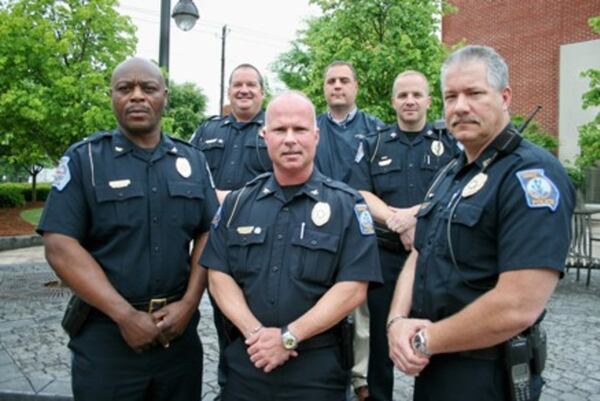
(313, 188)
(346, 120)
(121, 145)
(258, 119)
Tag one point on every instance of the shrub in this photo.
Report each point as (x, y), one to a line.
(11, 196)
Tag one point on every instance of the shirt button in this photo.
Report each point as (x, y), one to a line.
(286, 209)
(235, 146)
(411, 185)
(156, 248)
(154, 189)
(232, 162)
(313, 242)
(411, 165)
(155, 219)
(279, 236)
(275, 268)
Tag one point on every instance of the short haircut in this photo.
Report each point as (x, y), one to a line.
(291, 93)
(337, 63)
(407, 73)
(250, 66)
(497, 70)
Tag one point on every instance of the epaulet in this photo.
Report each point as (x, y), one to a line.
(179, 140)
(257, 179)
(212, 119)
(95, 137)
(341, 186)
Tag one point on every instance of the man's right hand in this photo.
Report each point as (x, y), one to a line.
(400, 335)
(139, 330)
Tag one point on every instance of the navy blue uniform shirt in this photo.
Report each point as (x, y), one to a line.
(235, 151)
(338, 143)
(399, 170)
(518, 219)
(133, 210)
(277, 253)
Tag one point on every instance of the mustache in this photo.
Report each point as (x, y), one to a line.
(463, 120)
(134, 109)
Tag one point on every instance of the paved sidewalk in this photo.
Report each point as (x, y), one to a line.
(34, 359)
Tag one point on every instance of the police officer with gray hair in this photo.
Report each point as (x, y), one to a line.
(490, 245)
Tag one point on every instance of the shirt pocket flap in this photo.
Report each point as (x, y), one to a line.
(467, 214)
(317, 240)
(213, 143)
(254, 237)
(105, 193)
(186, 190)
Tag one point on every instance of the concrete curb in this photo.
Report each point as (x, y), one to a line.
(16, 396)
(19, 241)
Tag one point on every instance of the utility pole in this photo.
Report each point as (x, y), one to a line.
(165, 28)
(221, 102)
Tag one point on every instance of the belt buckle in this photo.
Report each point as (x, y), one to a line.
(156, 303)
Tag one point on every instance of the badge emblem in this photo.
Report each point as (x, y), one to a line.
(540, 191)
(474, 185)
(257, 230)
(365, 221)
(183, 167)
(116, 184)
(321, 213)
(437, 148)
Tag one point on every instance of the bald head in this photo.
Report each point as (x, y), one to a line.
(139, 65)
(295, 99)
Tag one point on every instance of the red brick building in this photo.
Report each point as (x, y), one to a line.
(528, 34)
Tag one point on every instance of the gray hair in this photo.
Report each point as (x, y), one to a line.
(497, 71)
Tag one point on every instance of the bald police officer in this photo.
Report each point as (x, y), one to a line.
(490, 246)
(393, 171)
(117, 226)
(290, 255)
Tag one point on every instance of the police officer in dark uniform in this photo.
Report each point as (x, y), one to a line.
(290, 255)
(236, 153)
(342, 128)
(232, 145)
(117, 228)
(490, 246)
(393, 170)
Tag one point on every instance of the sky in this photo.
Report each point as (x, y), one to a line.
(258, 31)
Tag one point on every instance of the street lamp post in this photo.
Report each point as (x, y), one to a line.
(185, 15)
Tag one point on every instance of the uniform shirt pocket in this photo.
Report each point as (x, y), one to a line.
(386, 177)
(185, 203)
(119, 207)
(318, 252)
(213, 149)
(246, 253)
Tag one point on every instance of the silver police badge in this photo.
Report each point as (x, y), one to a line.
(474, 185)
(183, 167)
(321, 213)
(437, 148)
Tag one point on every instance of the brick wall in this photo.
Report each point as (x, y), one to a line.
(528, 34)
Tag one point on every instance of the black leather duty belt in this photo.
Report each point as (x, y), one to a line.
(154, 304)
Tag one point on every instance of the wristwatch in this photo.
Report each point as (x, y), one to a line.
(419, 343)
(288, 339)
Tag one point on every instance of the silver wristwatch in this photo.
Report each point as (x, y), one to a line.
(419, 343)
(288, 339)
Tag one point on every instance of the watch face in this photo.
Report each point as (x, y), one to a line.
(289, 341)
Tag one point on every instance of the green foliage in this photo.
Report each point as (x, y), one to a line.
(187, 105)
(24, 189)
(381, 38)
(56, 57)
(536, 134)
(32, 216)
(11, 196)
(589, 134)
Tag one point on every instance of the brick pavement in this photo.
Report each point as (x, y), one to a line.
(34, 359)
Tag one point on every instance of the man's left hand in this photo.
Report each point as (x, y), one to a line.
(172, 320)
(266, 349)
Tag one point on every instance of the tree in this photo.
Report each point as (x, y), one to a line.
(56, 57)
(381, 38)
(589, 134)
(186, 108)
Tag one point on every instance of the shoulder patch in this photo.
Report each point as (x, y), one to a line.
(539, 190)
(365, 221)
(62, 176)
